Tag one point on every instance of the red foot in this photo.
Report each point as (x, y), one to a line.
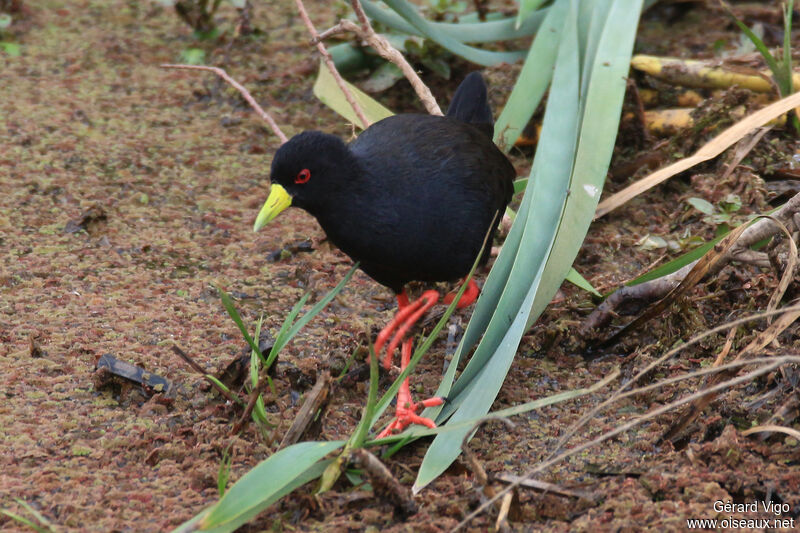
(468, 298)
(406, 411)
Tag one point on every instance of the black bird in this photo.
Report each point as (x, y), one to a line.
(411, 198)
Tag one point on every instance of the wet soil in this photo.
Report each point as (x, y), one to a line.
(128, 192)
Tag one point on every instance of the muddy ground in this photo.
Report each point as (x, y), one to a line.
(127, 192)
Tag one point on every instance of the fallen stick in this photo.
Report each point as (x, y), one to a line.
(656, 289)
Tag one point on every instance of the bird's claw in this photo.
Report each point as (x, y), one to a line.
(406, 411)
(407, 415)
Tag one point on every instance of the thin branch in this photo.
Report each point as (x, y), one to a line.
(239, 87)
(248, 410)
(620, 393)
(757, 344)
(390, 53)
(383, 482)
(326, 57)
(362, 17)
(197, 368)
(653, 290)
(543, 486)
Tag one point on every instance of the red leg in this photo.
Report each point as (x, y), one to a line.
(407, 315)
(399, 317)
(469, 296)
(402, 300)
(420, 306)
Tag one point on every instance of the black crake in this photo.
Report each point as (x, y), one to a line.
(412, 197)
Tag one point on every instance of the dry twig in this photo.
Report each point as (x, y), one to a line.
(197, 368)
(773, 429)
(239, 87)
(366, 33)
(326, 57)
(620, 393)
(384, 483)
(315, 400)
(753, 234)
(700, 268)
(708, 151)
(759, 343)
(658, 288)
(480, 473)
(543, 486)
(248, 410)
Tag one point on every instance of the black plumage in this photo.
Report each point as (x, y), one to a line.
(412, 197)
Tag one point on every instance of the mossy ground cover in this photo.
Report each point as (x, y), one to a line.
(162, 172)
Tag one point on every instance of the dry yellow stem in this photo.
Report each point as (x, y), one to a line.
(711, 149)
(693, 73)
(671, 121)
(668, 121)
(687, 98)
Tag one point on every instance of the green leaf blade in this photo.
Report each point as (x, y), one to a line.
(477, 387)
(476, 55)
(269, 481)
(329, 93)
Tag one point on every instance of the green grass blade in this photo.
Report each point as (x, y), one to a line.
(259, 414)
(328, 92)
(224, 471)
(465, 425)
(466, 32)
(446, 447)
(496, 281)
(549, 180)
(25, 521)
(777, 72)
(367, 417)
(592, 18)
(424, 347)
(486, 305)
(309, 475)
(688, 257)
(532, 80)
(282, 338)
(574, 277)
(45, 527)
(36, 514)
(290, 328)
(221, 385)
(476, 55)
(319, 306)
(787, 47)
(227, 302)
(266, 483)
(255, 356)
(676, 264)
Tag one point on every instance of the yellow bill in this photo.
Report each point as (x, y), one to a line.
(277, 201)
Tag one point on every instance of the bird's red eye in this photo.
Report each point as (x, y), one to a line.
(303, 176)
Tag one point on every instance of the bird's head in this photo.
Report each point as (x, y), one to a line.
(305, 172)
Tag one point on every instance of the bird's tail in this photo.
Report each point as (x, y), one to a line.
(471, 105)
